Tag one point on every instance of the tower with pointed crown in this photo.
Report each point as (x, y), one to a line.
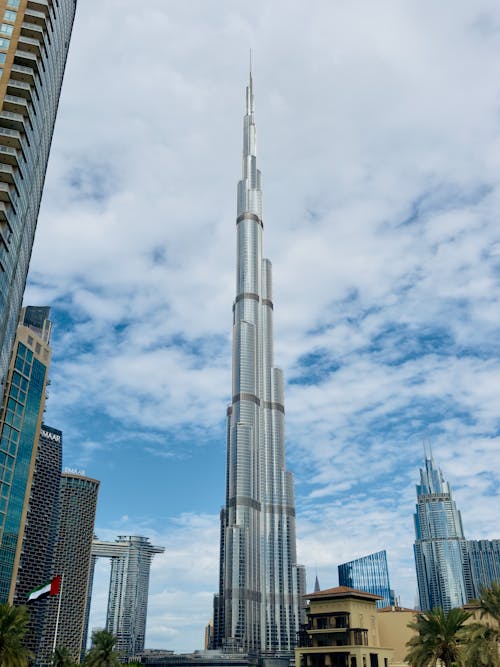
(440, 546)
(259, 601)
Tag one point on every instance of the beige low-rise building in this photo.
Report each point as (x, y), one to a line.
(342, 631)
(394, 631)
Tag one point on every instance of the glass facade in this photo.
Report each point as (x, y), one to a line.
(440, 546)
(35, 566)
(369, 574)
(259, 601)
(36, 38)
(483, 565)
(20, 423)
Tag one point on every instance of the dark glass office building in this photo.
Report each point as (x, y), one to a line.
(35, 566)
(370, 574)
(34, 42)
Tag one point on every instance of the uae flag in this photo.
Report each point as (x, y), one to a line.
(50, 588)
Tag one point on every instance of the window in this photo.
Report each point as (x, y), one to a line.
(12, 3)
(6, 29)
(2, 57)
(4, 43)
(9, 16)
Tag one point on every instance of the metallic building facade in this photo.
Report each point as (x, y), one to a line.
(440, 546)
(20, 424)
(35, 566)
(131, 557)
(34, 42)
(371, 574)
(72, 559)
(482, 565)
(259, 601)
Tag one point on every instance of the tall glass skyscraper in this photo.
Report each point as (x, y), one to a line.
(258, 605)
(440, 546)
(34, 41)
(20, 424)
(131, 557)
(370, 574)
(38, 541)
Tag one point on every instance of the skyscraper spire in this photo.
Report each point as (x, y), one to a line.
(259, 601)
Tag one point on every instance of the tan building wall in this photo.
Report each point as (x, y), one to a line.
(394, 631)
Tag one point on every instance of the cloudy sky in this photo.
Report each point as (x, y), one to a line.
(379, 144)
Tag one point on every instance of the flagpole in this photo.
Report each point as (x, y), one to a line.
(58, 613)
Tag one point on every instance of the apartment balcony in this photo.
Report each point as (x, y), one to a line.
(6, 193)
(12, 120)
(40, 5)
(16, 104)
(29, 45)
(26, 59)
(33, 30)
(9, 174)
(39, 18)
(19, 88)
(10, 138)
(22, 73)
(9, 156)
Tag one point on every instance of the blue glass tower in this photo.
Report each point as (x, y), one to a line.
(369, 574)
(440, 546)
(20, 426)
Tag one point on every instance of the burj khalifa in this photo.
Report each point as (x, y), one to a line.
(258, 608)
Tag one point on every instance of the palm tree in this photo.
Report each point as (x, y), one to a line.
(483, 638)
(439, 636)
(102, 650)
(13, 626)
(62, 657)
(490, 601)
(481, 648)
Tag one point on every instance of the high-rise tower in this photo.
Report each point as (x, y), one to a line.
(72, 560)
(440, 546)
(34, 41)
(20, 423)
(131, 557)
(259, 601)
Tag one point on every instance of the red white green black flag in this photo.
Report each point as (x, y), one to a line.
(50, 588)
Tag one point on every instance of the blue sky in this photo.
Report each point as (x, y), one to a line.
(379, 138)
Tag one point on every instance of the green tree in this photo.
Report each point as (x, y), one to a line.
(490, 601)
(62, 657)
(483, 638)
(481, 647)
(102, 650)
(439, 637)
(13, 627)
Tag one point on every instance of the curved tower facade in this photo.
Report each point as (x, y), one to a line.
(259, 601)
